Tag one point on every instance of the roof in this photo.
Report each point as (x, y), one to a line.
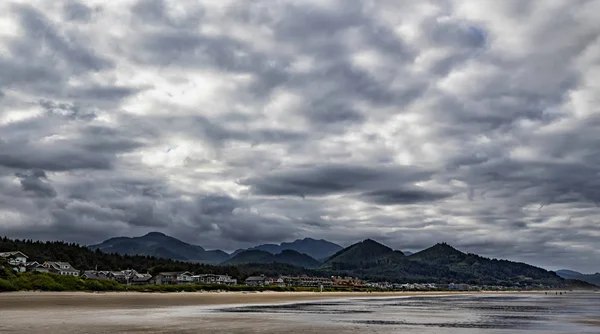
(175, 273)
(256, 278)
(141, 277)
(57, 265)
(94, 275)
(14, 253)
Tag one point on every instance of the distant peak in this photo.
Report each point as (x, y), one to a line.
(155, 234)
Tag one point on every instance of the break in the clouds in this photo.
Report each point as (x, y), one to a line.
(230, 123)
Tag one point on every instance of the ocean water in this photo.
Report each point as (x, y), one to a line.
(569, 313)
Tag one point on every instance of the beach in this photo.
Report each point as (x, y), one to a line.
(289, 312)
(100, 300)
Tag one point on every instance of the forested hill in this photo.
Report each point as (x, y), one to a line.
(83, 258)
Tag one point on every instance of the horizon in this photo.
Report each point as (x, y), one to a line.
(241, 123)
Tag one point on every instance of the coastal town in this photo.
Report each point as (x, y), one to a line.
(20, 263)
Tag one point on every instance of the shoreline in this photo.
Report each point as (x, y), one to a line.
(141, 300)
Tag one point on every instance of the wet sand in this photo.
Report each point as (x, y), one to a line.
(79, 312)
(112, 300)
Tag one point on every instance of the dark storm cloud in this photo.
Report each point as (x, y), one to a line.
(37, 183)
(403, 196)
(323, 180)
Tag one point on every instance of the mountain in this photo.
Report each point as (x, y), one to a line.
(440, 263)
(570, 274)
(487, 271)
(374, 261)
(287, 256)
(317, 249)
(366, 251)
(162, 246)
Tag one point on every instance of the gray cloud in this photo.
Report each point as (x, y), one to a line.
(331, 179)
(36, 183)
(229, 126)
(403, 196)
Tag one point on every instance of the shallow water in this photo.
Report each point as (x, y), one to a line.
(570, 313)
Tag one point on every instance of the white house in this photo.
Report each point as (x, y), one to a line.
(61, 268)
(16, 259)
(214, 279)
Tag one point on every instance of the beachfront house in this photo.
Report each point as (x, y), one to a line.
(140, 279)
(214, 279)
(308, 281)
(61, 268)
(179, 277)
(257, 281)
(93, 274)
(35, 267)
(16, 259)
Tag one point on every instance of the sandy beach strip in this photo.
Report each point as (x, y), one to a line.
(112, 300)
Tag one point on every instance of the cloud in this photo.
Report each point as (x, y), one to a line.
(35, 182)
(230, 124)
(330, 179)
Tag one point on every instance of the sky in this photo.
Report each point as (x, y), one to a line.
(233, 123)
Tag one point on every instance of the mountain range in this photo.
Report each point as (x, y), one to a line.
(163, 246)
(570, 274)
(367, 259)
(439, 263)
(317, 249)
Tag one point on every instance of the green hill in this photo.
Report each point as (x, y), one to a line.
(374, 261)
(160, 245)
(481, 269)
(288, 256)
(574, 275)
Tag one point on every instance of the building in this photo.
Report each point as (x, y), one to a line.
(16, 259)
(347, 282)
(214, 279)
(140, 279)
(93, 274)
(172, 278)
(36, 266)
(61, 268)
(257, 281)
(308, 281)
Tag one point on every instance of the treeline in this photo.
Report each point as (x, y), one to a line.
(82, 258)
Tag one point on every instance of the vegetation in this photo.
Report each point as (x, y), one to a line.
(161, 246)
(83, 258)
(287, 256)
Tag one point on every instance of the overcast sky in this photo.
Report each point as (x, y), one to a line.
(232, 123)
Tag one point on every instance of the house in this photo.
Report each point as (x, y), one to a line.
(16, 259)
(308, 281)
(118, 276)
(140, 279)
(93, 274)
(61, 268)
(172, 278)
(214, 279)
(347, 282)
(35, 266)
(257, 281)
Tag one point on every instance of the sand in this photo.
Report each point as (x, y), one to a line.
(113, 300)
(188, 312)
